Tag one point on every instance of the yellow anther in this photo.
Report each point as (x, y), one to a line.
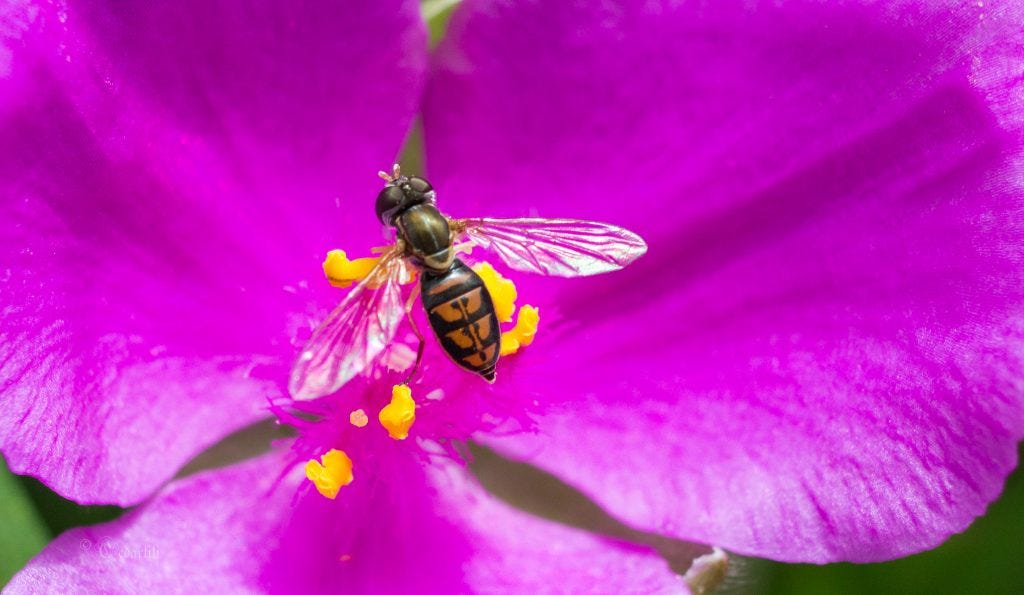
(522, 333)
(342, 272)
(333, 472)
(397, 417)
(502, 290)
(358, 418)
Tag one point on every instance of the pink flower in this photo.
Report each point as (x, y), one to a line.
(819, 359)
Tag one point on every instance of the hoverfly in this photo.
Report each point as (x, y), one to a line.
(458, 305)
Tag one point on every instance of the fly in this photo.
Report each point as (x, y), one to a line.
(457, 303)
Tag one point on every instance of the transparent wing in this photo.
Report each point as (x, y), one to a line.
(558, 247)
(354, 333)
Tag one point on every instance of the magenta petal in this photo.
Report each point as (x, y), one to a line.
(820, 357)
(636, 111)
(271, 119)
(161, 216)
(230, 530)
(296, 104)
(514, 551)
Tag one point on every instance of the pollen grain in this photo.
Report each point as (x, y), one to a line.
(333, 472)
(398, 416)
(358, 418)
(342, 272)
(522, 333)
(502, 290)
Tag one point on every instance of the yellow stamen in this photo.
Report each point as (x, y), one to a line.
(333, 472)
(358, 418)
(522, 333)
(397, 417)
(502, 290)
(342, 272)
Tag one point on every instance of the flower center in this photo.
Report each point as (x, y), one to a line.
(334, 470)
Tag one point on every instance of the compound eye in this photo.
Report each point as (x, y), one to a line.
(389, 201)
(420, 185)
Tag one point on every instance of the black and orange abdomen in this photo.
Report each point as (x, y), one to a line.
(462, 315)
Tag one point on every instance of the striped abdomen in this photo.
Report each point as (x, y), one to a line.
(462, 315)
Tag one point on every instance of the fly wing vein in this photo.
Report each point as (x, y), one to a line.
(559, 247)
(353, 335)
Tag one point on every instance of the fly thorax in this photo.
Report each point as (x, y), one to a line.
(427, 236)
(439, 261)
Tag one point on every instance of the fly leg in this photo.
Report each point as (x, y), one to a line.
(416, 330)
(458, 227)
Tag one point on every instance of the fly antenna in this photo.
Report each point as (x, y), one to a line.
(396, 172)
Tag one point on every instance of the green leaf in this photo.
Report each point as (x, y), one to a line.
(436, 13)
(24, 532)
